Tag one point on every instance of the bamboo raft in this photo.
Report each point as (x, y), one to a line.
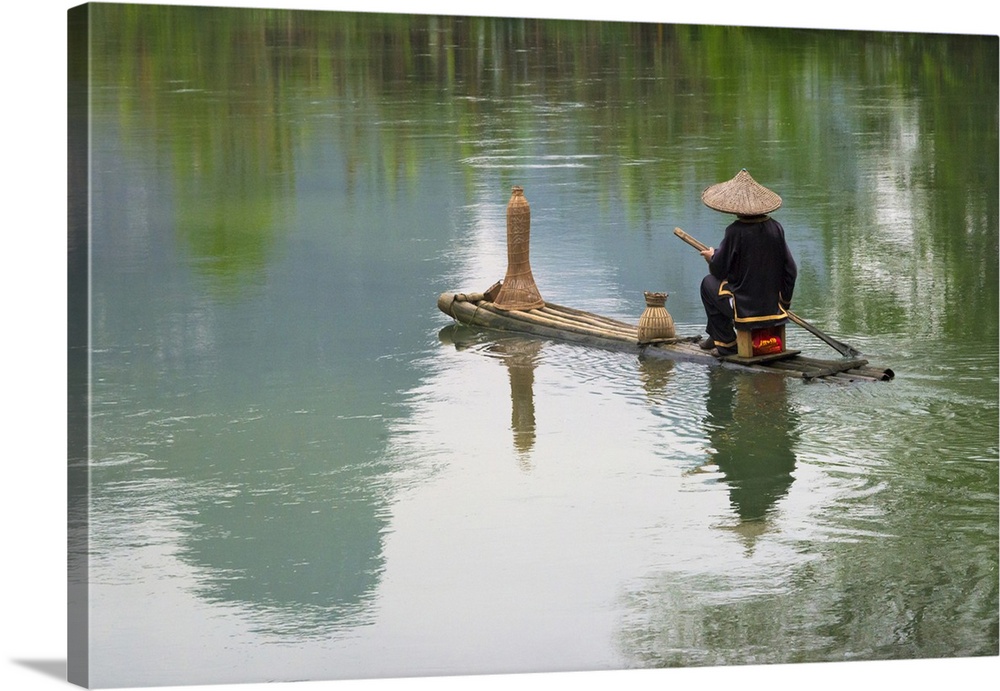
(562, 323)
(514, 304)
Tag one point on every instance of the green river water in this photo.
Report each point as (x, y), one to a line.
(300, 469)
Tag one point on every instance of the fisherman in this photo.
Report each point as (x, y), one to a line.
(752, 273)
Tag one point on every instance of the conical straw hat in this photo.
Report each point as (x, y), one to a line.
(742, 196)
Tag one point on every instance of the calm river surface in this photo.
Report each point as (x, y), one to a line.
(301, 469)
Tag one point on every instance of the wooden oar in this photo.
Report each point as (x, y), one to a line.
(841, 348)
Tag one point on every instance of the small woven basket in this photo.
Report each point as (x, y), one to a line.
(655, 322)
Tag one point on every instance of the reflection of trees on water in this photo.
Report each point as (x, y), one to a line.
(229, 211)
(297, 548)
(879, 576)
(863, 600)
(234, 95)
(713, 618)
(232, 98)
(283, 525)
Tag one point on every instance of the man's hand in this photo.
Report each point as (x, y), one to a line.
(708, 254)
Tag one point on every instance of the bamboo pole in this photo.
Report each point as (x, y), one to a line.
(532, 318)
(571, 320)
(842, 364)
(482, 316)
(595, 318)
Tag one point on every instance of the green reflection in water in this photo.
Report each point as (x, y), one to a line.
(228, 90)
(884, 144)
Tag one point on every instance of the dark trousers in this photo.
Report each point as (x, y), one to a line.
(719, 310)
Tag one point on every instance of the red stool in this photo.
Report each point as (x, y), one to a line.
(756, 342)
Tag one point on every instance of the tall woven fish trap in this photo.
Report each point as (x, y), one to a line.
(518, 291)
